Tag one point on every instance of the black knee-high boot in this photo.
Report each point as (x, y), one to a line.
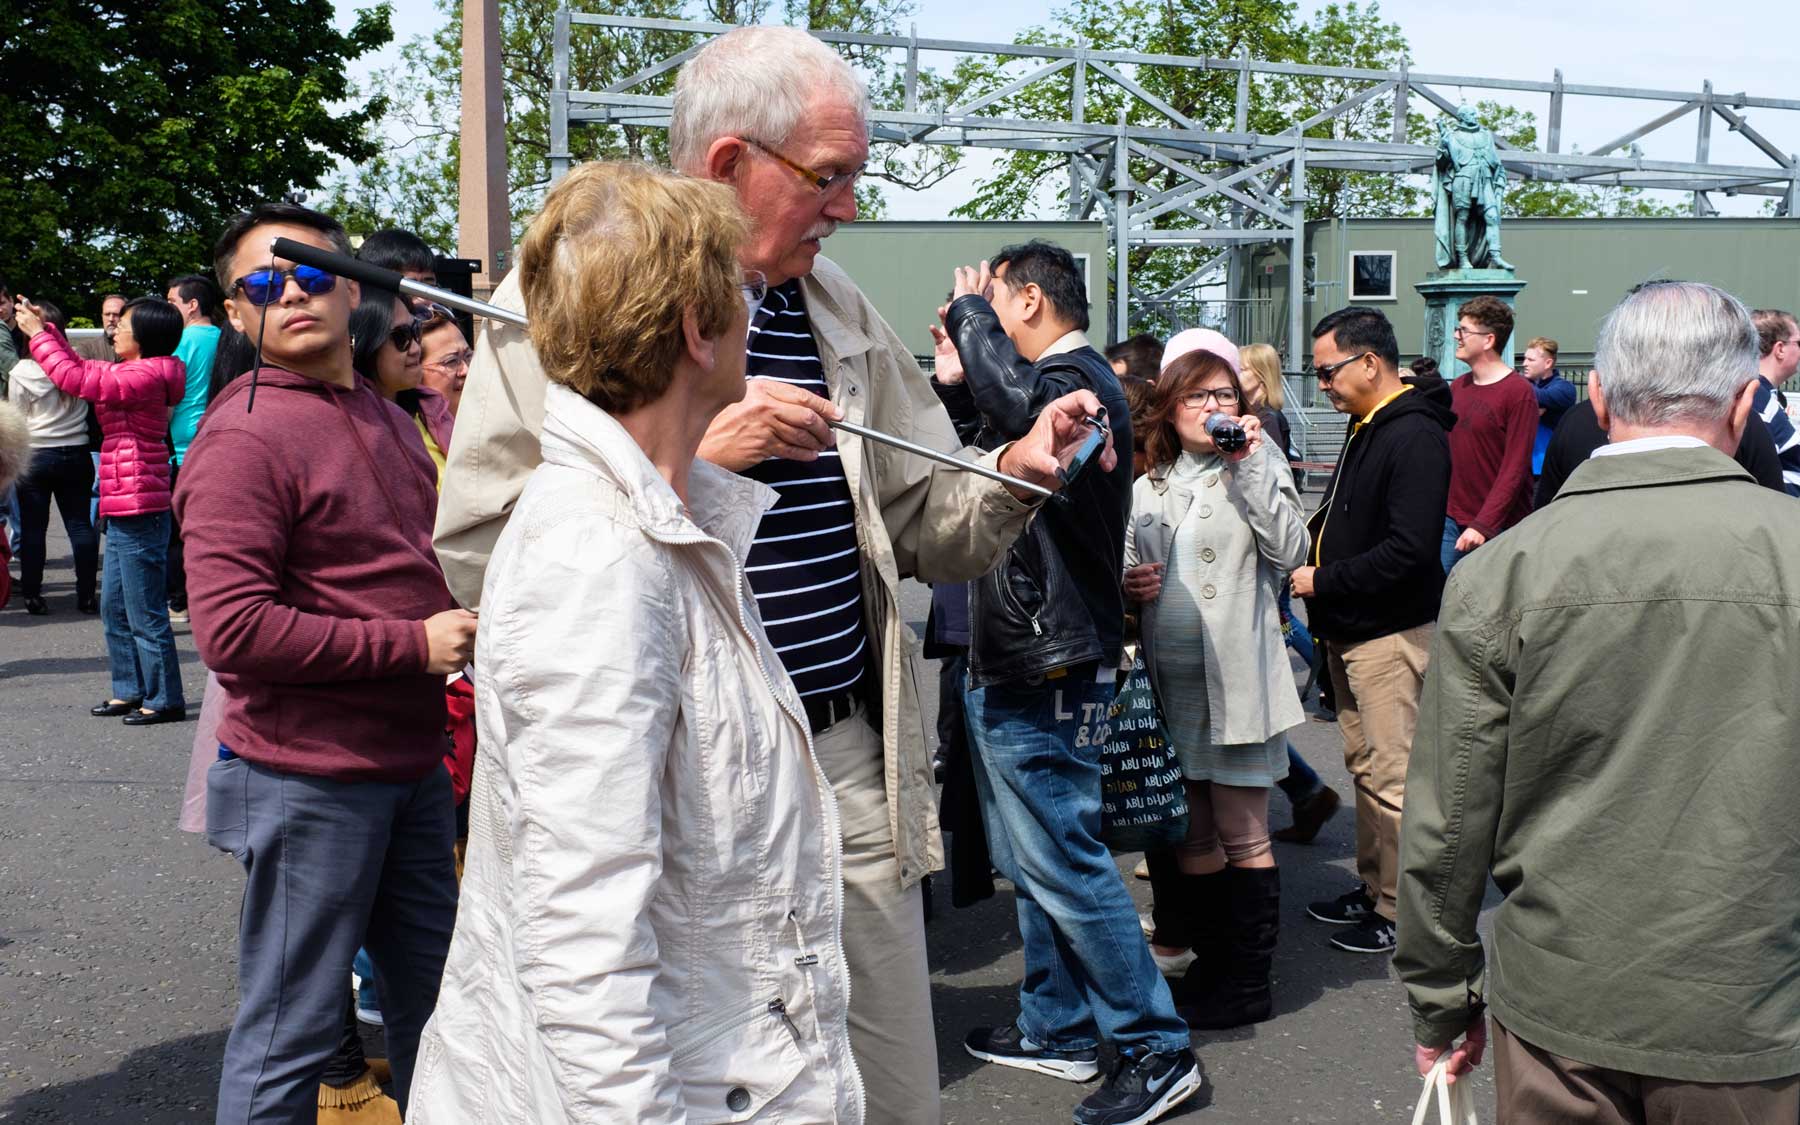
(1206, 913)
(1239, 993)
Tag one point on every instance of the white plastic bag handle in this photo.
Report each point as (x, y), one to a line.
(1455, 1103)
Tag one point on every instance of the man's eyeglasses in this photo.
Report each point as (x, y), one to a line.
(1224, 396)
(1460, 332)
(822, 183)
(1325, 373)
(755, 286)
(265, 286)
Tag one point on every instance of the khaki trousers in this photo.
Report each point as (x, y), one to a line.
(1535, 1087)
(1377, 683)
(891, 1033)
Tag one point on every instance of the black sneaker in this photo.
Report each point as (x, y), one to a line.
(1008, 1046)
(1142, 1087)
(1374, 934)
(1351, 908)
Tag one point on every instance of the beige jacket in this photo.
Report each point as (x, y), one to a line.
(935, 523)
(650, 922)
(1252, 536)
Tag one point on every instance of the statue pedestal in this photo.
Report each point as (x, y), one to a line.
(1445, 291)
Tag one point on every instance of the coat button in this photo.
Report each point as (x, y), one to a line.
(1205, 510)
(1207, 592)
(1212, 479)
(738, 1100)
(1207, 554)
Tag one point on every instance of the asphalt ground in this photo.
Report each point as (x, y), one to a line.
(118, 931)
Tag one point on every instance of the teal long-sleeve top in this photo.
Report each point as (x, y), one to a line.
(198, 344)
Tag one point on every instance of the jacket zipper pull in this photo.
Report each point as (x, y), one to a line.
(1034, 628)
(778, 1009)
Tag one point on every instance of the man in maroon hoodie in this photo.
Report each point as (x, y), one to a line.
(1496, 424)
(316, 598)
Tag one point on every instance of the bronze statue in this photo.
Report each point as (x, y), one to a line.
(1468, 184)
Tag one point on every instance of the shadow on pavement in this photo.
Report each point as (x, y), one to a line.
(173, 1083)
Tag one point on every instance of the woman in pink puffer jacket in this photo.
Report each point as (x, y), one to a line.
(132, 398)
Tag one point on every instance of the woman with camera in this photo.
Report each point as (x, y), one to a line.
(1212, 535)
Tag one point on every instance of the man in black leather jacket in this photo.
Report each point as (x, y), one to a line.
(1046, 628)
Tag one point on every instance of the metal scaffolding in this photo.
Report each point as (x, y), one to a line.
(1238, 186)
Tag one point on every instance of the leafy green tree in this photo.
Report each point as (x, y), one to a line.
(133, 132)
(413, 183)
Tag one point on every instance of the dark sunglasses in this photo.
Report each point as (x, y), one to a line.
(404, 336)
(265, 287)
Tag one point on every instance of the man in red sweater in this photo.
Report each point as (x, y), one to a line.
(1490, 446)
(316, 598)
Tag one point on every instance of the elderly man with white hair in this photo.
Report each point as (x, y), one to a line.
(1597, 734)
(782, 119)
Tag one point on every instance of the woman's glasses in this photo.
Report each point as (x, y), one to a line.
(265, 287)
(404, 336)
(1224, 396)
(754, 286)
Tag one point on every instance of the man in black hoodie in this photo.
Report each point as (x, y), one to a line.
(1372, 590)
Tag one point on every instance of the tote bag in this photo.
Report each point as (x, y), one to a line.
(1143, 804)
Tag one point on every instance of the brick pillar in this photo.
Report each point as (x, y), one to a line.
(483, 213)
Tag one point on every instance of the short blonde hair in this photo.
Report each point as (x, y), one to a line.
(620, 252)
(1543, 344)
(1262, 361)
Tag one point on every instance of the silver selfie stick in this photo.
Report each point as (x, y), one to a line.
(362, 272)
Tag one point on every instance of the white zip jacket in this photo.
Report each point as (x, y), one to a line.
(650, 925)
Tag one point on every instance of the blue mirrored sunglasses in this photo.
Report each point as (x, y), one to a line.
(264, 287)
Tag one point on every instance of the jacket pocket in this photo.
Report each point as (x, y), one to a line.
(227, 826)
(732, 1067)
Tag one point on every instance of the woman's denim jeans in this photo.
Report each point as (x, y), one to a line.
(134, 608)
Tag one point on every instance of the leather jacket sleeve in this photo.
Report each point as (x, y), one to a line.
(959, 403)
(1008, 392)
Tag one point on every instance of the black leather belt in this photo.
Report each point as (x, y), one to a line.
(824, 710)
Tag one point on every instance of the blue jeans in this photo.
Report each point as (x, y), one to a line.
(1294, 632)
(134, 608)
(1301, 782)
(1449, 555)
(1088, 972)
(328, 866)
(9, 512)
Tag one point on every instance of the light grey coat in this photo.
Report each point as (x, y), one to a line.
(1256, 535)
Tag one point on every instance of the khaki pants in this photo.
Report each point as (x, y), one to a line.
(1377, 683)
(1536, 1087)
(891, 1032)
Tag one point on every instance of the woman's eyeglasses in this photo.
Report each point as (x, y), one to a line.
(1224, 396)
(404, 336)
(754, 286)
(265, 287)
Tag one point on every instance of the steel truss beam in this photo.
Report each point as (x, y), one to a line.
(1225, 180)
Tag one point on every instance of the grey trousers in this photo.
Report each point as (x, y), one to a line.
(329, 866)
(891, 1033)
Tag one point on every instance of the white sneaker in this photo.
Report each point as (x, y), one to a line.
(1173, 966)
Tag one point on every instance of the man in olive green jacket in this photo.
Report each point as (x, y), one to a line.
(1607, 730)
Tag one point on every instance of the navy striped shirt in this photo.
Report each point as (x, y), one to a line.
(804, 566)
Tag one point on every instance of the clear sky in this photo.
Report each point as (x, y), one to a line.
(1744, 46)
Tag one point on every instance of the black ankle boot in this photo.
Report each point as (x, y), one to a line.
(1206, 907)
(1240, 993)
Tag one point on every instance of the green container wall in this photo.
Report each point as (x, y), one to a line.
(1576, 269)
(905, 267)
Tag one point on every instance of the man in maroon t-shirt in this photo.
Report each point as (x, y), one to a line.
(1490, 446)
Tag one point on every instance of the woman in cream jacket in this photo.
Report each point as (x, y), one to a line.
(1211, 538)
(651, 911)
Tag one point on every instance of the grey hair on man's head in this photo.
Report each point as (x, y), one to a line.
(755, 82)
(1675, 350)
